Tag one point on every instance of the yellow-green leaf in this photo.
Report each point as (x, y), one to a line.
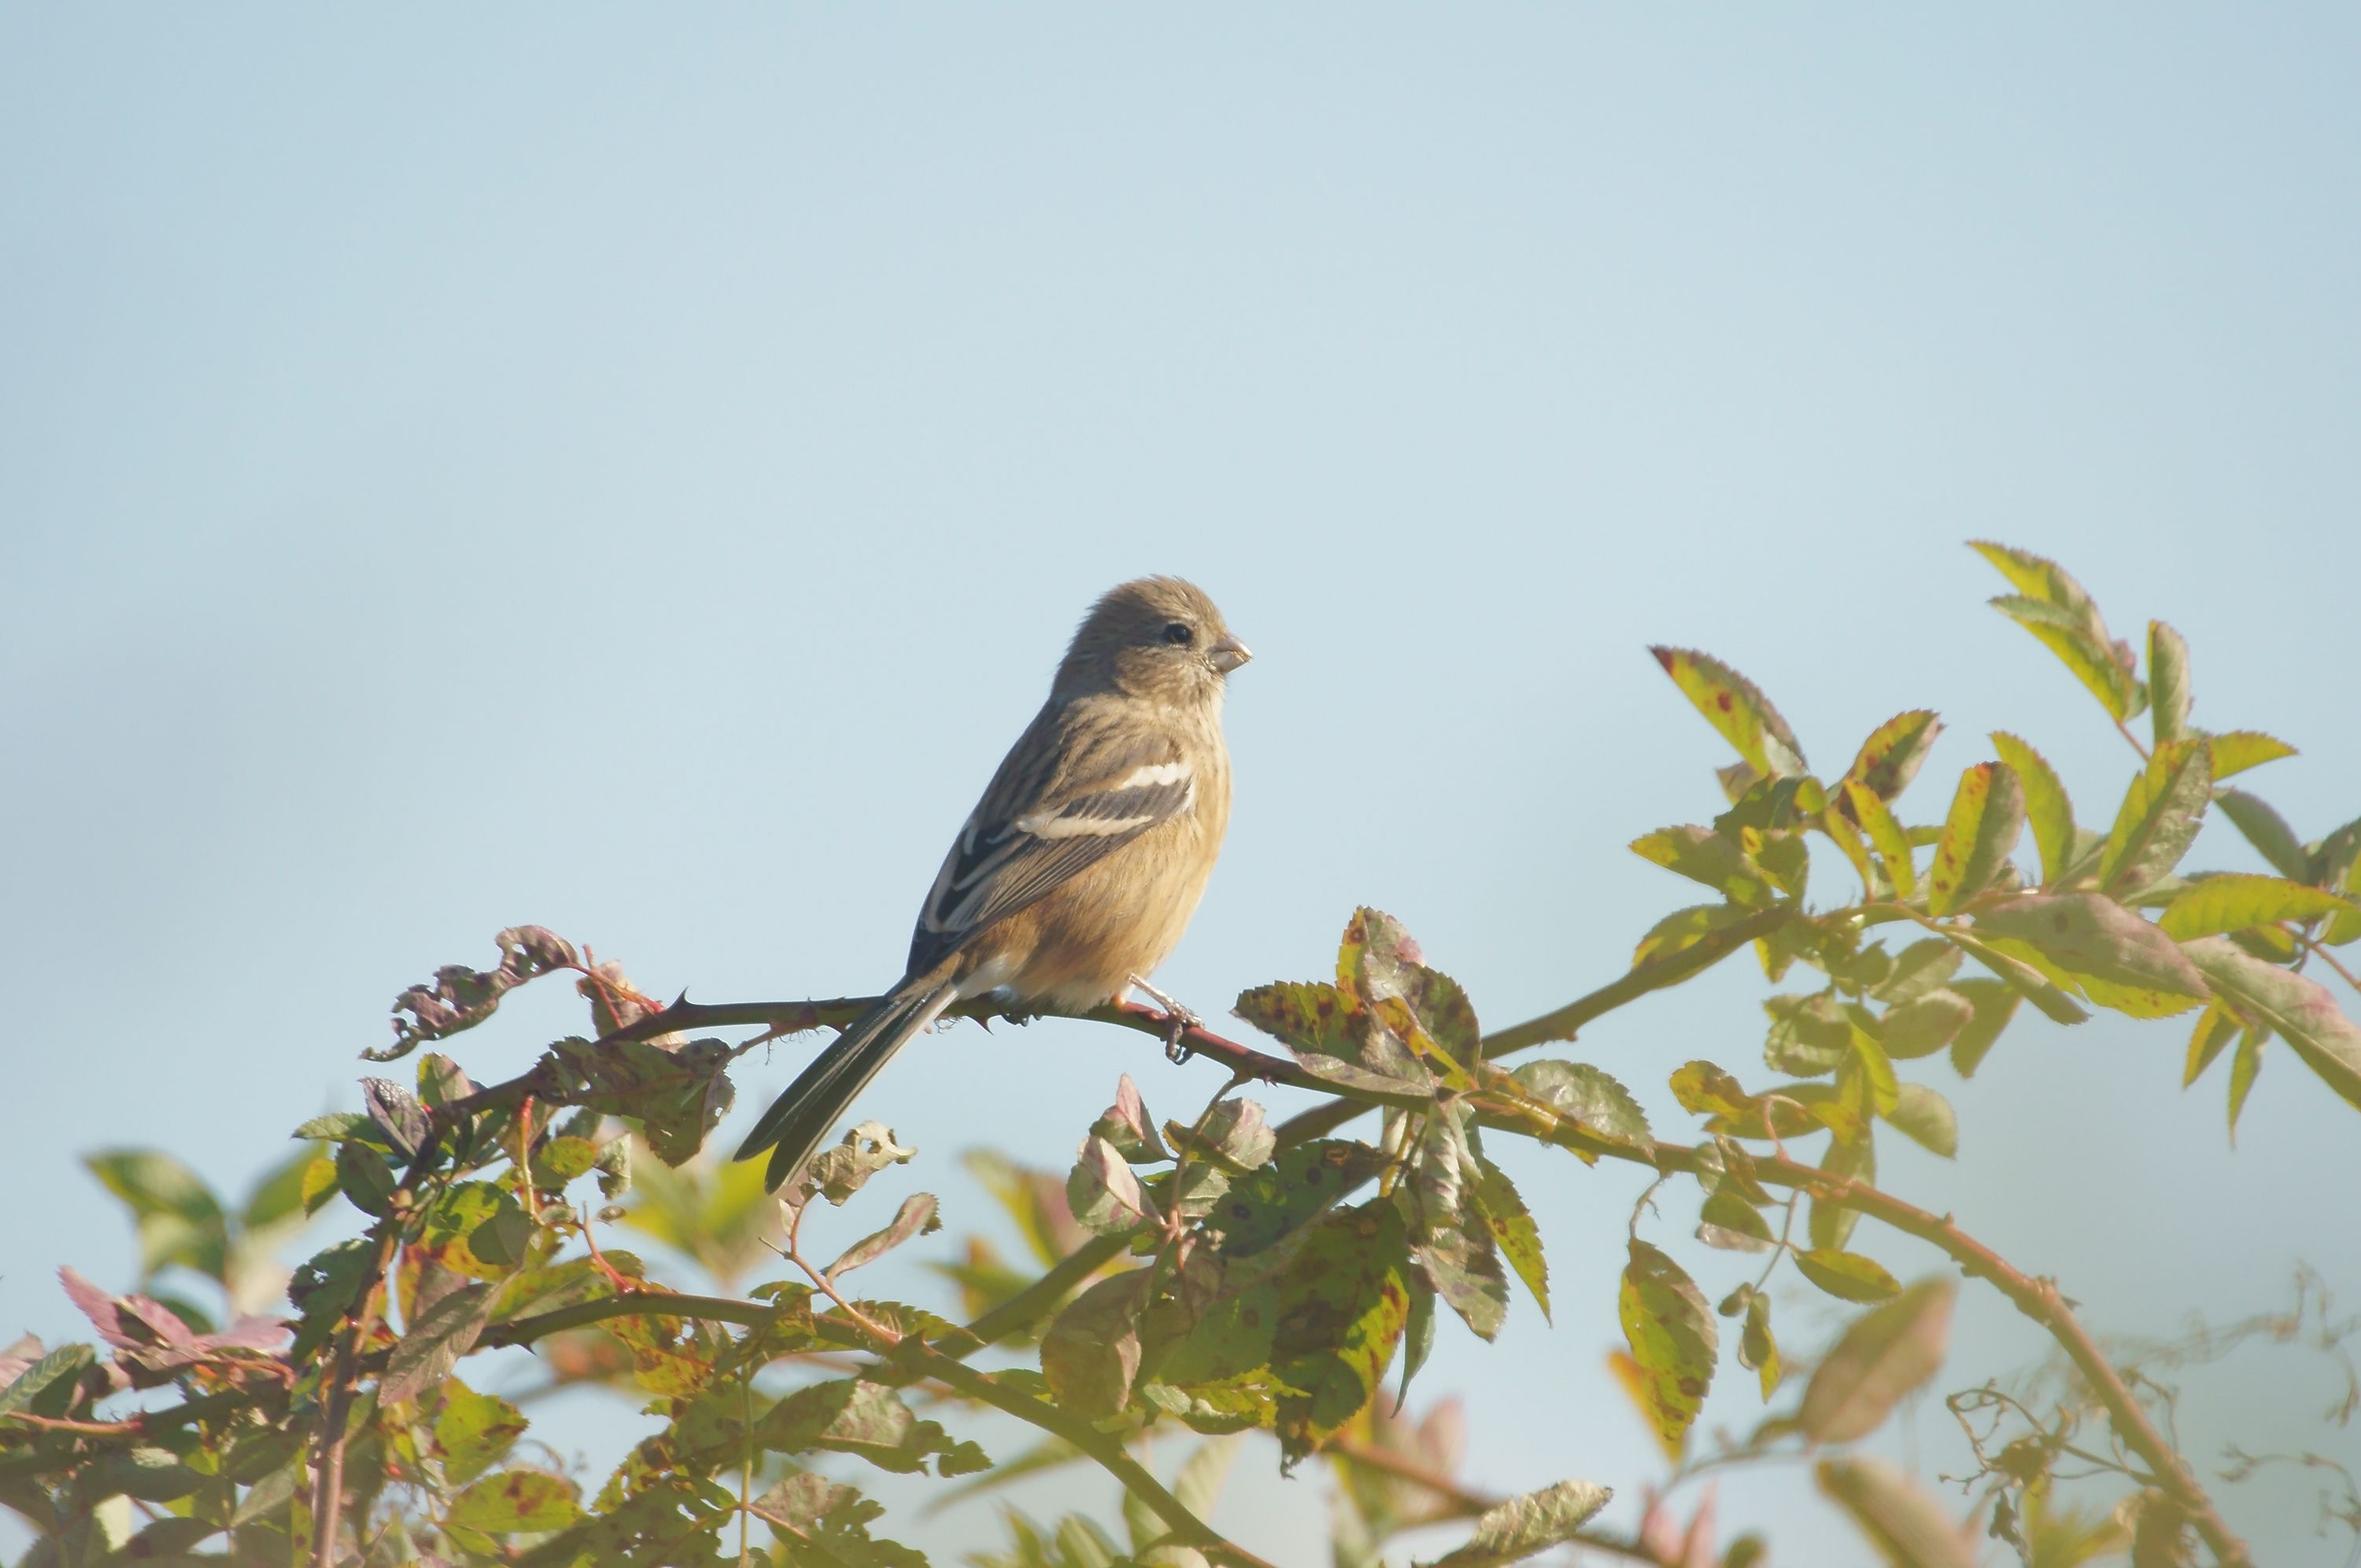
(2118, 959)
(1847, 1275)
(2216, 1027)
(1703, 855)
(1886, 834)
(2036, 577)
(2167, 681)
(2045, 805)
(1889, 759)
(1987, 815)
(2160, 817)
(2236, 751)
(1736, 707)
(2296, 1006)
(2081, 649)
(2234, 900)
(2267, 830)
(1672, 1341)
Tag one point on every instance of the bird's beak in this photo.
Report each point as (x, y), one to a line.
(1228, 654)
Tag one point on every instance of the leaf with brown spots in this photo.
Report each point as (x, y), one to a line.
(1885, 836)
(1513, 1230)
(1672, 1341)
(2160, 817)
(2116, 958)
(1737, 708)
(1702, 855)
(1342, 1307)
(1987, 815)
(512, 1501)
(1334, 1036)
(1889, 759)
(2047, 806)
(1264, 1208)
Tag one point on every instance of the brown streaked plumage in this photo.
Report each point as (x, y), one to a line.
(1079, 869)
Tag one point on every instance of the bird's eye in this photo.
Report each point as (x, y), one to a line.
(1178, 635)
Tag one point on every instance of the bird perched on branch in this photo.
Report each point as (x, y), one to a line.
(1077, 871)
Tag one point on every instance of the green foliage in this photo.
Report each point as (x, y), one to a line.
(1228, 1273)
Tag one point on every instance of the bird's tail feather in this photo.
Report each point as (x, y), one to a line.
(800, 1120)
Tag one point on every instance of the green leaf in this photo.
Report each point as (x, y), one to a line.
(1128, 1125)
(2093, 660)
(277, 1196)
(1987, 815)
(1587, 1096)
(2299, 1008)
(1995, 1004)
(2045, 805)
(1919, 970)
(2021, 977)
(1090, 1354)
(2160, 817)
(2232, 901)
(1672, 1341)
(1909, 1528)
(2236, 751)
(1847, 1275)
(1885, 836)
(1829, 1224)
(1513, 1229)
(1683, 928)
(517, 1500)
(2216, 1027)
(2244, 1069)
(178, 1219)
(1889, 759)
(446, 1332)
(66, 1360)
(1334, 1036)
(1927, 1119)
(365, 1178)
(1730, 1222)
(473, 1430)
(868, 1420)
(2118, 959)
(1882, 1356)
(1105, 1191)
(1449, 1237)
(1341, 1306)
(1758, 1351)
(1922, 1028)
(1516, 1529)
(1236, 1137)
(2167, 683)
(1268, 1206)
(915, 1217)
(1809, 1035)
(1704, 856)
(1735, 706)
(2037, 577)
(2266, 831)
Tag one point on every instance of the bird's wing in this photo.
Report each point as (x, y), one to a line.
(1063, 801)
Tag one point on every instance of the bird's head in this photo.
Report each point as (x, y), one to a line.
(1158, 638)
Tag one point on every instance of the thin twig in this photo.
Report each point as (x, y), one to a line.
(2036, 1298)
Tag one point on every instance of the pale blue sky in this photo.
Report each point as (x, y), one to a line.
(635, 474)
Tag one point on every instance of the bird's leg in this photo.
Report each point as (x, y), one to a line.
(1178, 1021)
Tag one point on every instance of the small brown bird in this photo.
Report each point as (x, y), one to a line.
(1077, 871)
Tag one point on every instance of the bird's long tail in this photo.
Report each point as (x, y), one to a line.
(800, 1120)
